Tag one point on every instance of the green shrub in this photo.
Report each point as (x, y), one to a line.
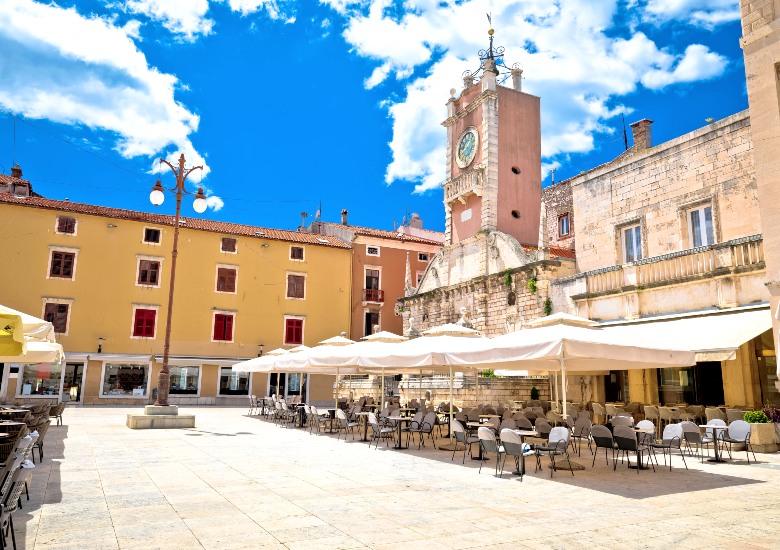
(548, 307)
(507, 277)
(756, 417)
(532, 284)
(489, 373)
(534, 393)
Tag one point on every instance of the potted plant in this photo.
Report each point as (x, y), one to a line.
(762, 432)
(773, 413)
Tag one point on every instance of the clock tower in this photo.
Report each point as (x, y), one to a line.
(493, 154)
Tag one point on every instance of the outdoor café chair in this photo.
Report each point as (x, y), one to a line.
(645, 438)
(379, 432)
(513, 446)
(734, 414)
(671, 439)
(508, 424)
(554, 418)
(429, 421)
(626, 441)
(544, 428)
(488, 444)
(603, 439)
(415, 424)
(461, 438)
(739, 432)
(613, 410)
(580, 433)
(344, 424)
(622, 420)
(557, 444)
(252, 404)
(599, 412)
(714, 413)
(652, 413)
(523, 423)
(694, 439)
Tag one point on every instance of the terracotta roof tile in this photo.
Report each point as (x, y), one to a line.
(190, 223)
(12, 179)
(381, 233)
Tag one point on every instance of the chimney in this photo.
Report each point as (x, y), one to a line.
(415, 222)
(517, 76)
(344, 217)
(643, 139)
(16, 171)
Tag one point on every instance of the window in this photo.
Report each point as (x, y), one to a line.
(62, 264)
(144, 322)
(371, 320)
(226, 279)
(66, 225)
(39, 379)
(420, 275)
(372, 279)
(149, 272)
(151, 235)
(233, 383)
(125, 380)
(296, 286)
(293, 331)
(372, 250)
(184, 380)
(422, 257)
(228, 244)
(223, 327)
(563, 225)
(632, 244)
(296, 253)
(57, 315)
(700, 226)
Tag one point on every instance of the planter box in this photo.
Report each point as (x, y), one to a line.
(763, 438)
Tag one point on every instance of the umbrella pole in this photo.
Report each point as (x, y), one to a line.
(382, 397)
(476, 380)
(421, 399)
(563, 384)
(336, 391)
(452, 384)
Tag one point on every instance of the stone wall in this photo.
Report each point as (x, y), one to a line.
(493, 391)
(710, 166)
(557, 201)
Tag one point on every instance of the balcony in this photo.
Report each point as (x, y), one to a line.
(738, 255)
(373, 295)
(471, 182)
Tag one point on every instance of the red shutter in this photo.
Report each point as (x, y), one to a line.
(143, 324)
(228, 328)
(293, 333)
(219, 327)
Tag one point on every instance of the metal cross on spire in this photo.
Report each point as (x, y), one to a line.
(492, 58)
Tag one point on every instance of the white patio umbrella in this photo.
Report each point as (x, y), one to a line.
(27, 339)
(565, 343)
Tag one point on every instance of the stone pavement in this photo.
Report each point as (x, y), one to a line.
(240, 482)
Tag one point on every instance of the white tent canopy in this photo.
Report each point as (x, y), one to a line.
(39, 344)
(37, 352)
(713, 337)
(34, 328)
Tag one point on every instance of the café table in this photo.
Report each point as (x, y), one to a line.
(478, 425)
(398, 421)
(363, 419)
(715, 438)
(331, 413)
(639, 464)
(522, 434)
(405, 411)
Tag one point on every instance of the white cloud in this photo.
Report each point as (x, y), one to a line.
(73, 69)
(185, 18)
(705, 13)
(570, 58)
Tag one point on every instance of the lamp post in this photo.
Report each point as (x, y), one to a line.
(157, 197)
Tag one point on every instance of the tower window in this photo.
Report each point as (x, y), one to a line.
(515, 214)
(515, 170)
(563, 225)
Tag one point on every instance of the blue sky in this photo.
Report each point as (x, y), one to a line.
(289, 103)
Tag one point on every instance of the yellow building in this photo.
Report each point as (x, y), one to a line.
(101, 275)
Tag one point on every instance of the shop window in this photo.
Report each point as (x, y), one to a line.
(66, 225)
(39, 379)
(700, 226)
(293, 331)
(149, 272)
(632, 243)
(296, 286)
(184, 380)
(223, 327)
(151, 235)
(296, 253)
(57, 315)
(144, 322)
(228, 244)
(226, 279)
(62, 264)
(125, 380)
(563, 225)
(233, 383)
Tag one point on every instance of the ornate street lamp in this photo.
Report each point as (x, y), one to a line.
(157, 196)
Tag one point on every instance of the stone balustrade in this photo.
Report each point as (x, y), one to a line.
(469, 182)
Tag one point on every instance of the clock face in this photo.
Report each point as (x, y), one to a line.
(467, 147)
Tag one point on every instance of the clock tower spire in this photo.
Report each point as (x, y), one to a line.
(493, 154)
